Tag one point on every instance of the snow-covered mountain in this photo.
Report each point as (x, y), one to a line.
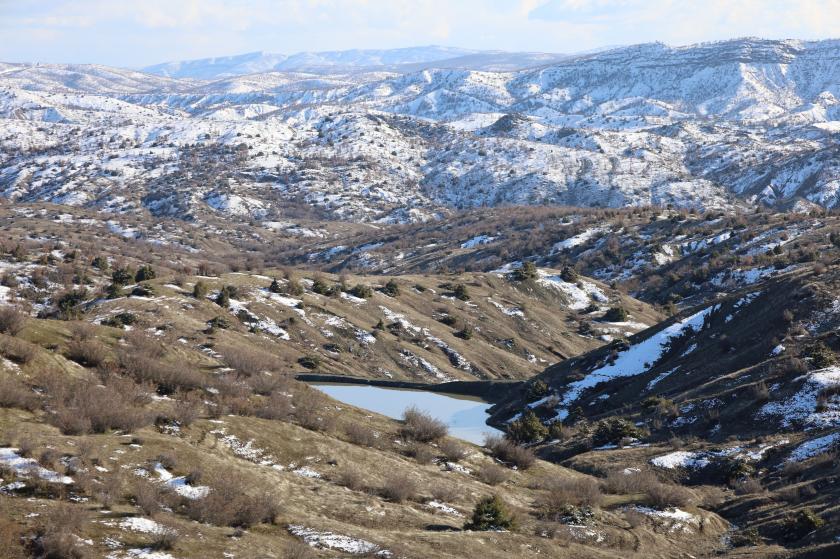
(723, 124)
(320, 62)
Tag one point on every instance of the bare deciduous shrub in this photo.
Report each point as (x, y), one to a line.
(164, 537)
(493, 474)
(351, 477)
(759, 392)
(140, 342)
(360, 434)
(15, 394)
(423, 453)
(108, 491)
(452, 450)
(168, 378)
(56, 537)
(12, 320)
(297, 550)
(559, 494)
(510, 453)
(443, 492)
(663, 495)
(146, 497)
(189, 408)
(228, 504)
(248, 361)
(309, 409)
(88, 352)
(399, 487)
(276, 406)
(266, 384)
(81, 407)
(422, 427)
(748, 486)
(634, 518)
(628, 482)
(17, 350)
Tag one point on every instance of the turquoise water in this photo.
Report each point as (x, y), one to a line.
(465, 416)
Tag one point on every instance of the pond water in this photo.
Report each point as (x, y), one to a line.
(464, 415)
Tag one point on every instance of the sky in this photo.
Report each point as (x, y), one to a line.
(143, 32)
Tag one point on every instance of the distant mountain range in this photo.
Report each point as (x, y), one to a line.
(411, 134)
(404, 59)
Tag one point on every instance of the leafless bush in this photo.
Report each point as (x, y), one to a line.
(276, 406)
(309, 409)
(360, 434)
(634, 518)
(15, 394)
(443, 492)
(142, 343)
(509, 452)
(266, 384)
(168, 378)
(164, 537)
(88, 352)
(422, 427)
(48, 458)
(12, 320)
(748, 486)
(248, 361)
(228, 504)
(17, 350)
(108, 491)
(188, 409)
(759, 392)
(146, 497)
(297, 550)
(628, 482)
(493, 474)
(398, 487)
(423, 453)
(56, 537)
(559, 494)
(83, 407)
(663, 495)
(452, 450)
(351, 477)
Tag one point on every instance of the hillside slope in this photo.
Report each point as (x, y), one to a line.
(722, 125)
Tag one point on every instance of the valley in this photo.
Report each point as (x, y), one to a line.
(423, 303)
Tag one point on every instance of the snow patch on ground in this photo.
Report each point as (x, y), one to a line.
(24, 467)
(635, 360)
(801, 408)
(812, 448)
(329, 540)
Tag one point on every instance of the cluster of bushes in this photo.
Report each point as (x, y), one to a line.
(657, 493)
(80, 407)
(509, 452)
(421, 427)
(527, 429)
(614, 430)
(228, 503)
(527, 271)
(615, 314)
(12, 320)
